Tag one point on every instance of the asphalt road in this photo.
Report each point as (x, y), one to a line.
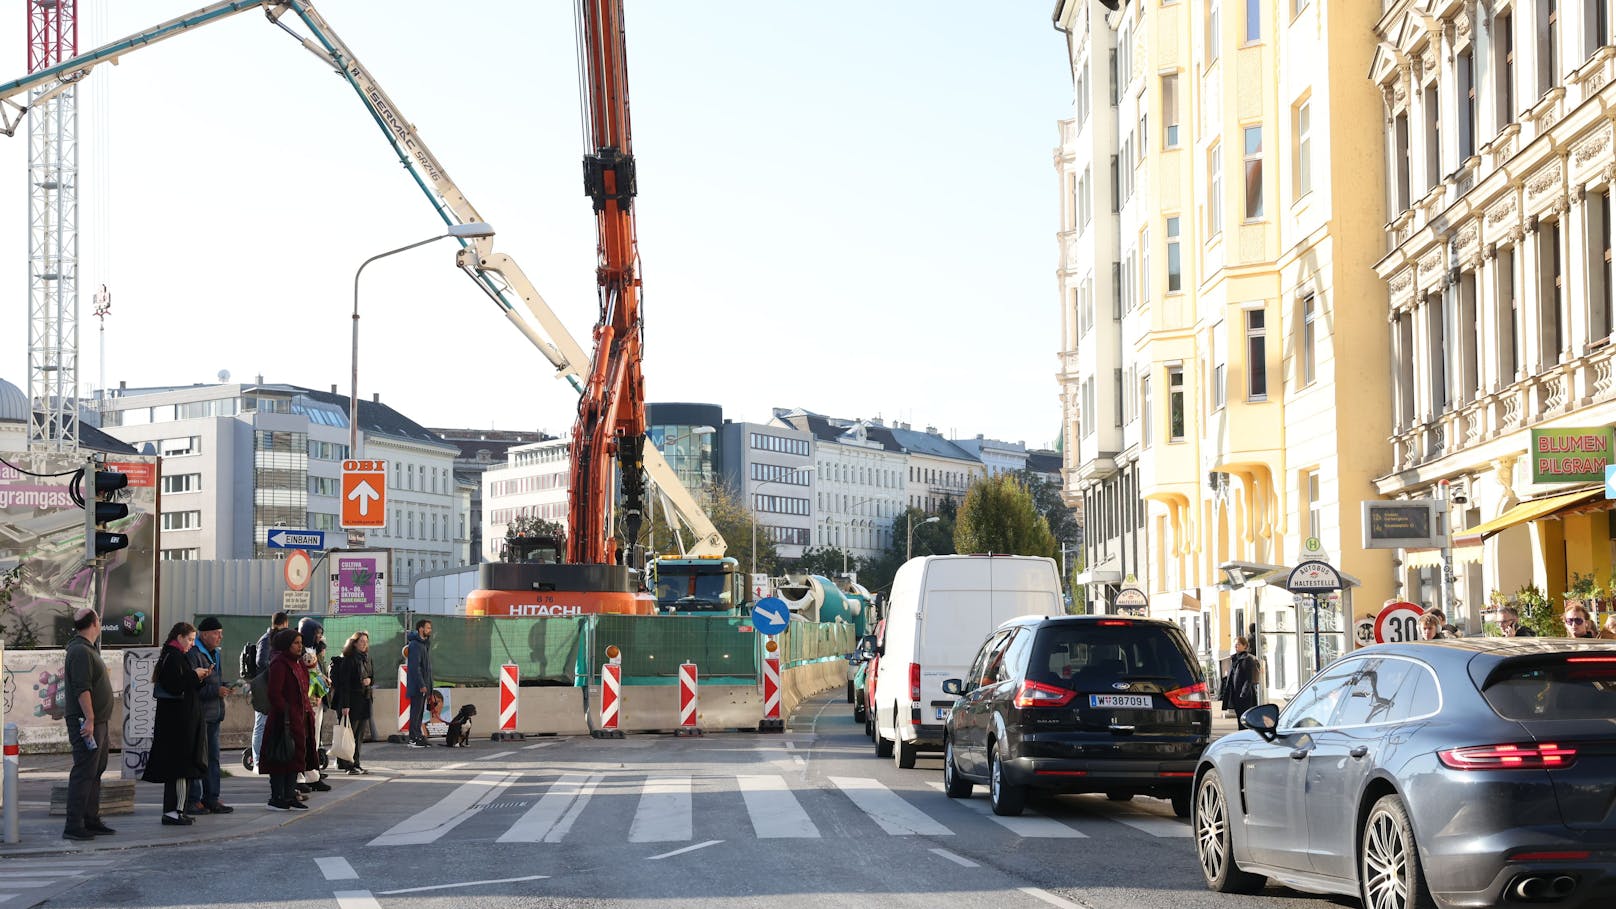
(809, 818)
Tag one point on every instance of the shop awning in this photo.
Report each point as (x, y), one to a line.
(1430, 558)
(1534, 510)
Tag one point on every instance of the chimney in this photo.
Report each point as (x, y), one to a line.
(333, 388)
(979, 437)
(123, 385)
(260, 378)
(376, 397)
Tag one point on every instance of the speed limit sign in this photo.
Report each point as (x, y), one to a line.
(1398, 623)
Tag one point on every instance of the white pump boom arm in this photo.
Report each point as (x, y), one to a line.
(496, 273)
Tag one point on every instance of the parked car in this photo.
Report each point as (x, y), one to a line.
(1465, 772)
(1078, 704)
(871, 671)
(940, 610)
(861, 662)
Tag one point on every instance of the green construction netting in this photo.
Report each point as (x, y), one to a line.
(806, 641)
(654, 646)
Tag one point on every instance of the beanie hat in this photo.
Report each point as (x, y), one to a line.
(210, 623)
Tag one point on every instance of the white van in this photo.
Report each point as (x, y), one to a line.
(941, 610)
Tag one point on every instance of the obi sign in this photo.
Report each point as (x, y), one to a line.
(1571, 455)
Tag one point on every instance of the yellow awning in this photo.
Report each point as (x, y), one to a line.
(1430, 558)
(1525, 511)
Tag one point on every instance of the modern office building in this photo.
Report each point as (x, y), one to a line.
(687, 435)
(772, 469)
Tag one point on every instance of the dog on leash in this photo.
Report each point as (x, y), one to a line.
(459, 734)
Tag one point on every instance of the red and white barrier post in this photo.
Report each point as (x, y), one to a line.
(509, 691)
(687, 700)
(611, 695)
(771, 721)
(13, 812)
(403, 733)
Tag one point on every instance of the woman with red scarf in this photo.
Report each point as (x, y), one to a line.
(289, 714)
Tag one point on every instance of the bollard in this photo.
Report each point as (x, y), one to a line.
(12, 812)
(771, 721)
(687, 700)
(509, 690)
(611, 695)
(403, 733)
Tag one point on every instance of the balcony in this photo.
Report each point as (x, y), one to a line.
(1071, 366)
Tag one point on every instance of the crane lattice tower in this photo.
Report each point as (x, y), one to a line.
(53, 235)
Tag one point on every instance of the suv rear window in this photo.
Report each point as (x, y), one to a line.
(1083, 655)
(1575, 688)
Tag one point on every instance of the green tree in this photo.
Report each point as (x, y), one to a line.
(1062, 518)
(21, 632)
(734, 522)
(936, 538)
(529, 526)
(999, 516)
(827, 561)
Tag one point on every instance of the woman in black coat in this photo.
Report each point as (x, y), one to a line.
(1240, 685)
(289, 713)
(179, 745)
(351, 693)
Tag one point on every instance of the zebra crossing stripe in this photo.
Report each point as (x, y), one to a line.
(664, 814)
(1032, 826)
(894, 815)
(550, 819)
(774, 810)
(429, 825)
(1166, 827)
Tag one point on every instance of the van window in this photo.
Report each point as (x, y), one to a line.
(1080, 655)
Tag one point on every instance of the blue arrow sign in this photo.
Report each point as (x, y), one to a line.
(771, 615)
(296, 539)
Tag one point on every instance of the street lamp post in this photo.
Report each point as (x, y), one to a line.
(847, 525)
(909, 546)
(790, 473)
(468, 231)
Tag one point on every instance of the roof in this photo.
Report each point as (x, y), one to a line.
(831, 429)
(930, 444)
(377, 419)
(1044, 462)
(13, 403)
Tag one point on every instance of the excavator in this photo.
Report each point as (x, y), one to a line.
(598, 571)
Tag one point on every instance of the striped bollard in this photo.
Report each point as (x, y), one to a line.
(509, 691)
(687, 700)
(611, 695)
(771, 721)
(13, 812)
(403, 734)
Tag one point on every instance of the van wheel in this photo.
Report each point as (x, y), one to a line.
(904, 754)
(954, 785)
(883, 745)
(1007, 798)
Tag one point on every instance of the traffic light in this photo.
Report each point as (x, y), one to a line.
(99, 510)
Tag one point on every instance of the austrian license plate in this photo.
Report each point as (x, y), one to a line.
(1120, 700)
(942, 713)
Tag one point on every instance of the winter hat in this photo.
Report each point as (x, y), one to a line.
(210, 624)
(310, 630)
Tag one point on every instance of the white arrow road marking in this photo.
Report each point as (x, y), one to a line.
(364, 493)
(773, 617)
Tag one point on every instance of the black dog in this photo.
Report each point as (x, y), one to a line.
(459, 734)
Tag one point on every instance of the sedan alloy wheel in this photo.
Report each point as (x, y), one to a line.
(1389, 865)
(1214, 843)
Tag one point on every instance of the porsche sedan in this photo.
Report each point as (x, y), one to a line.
(1470, 772)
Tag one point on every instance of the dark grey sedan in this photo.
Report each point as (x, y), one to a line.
(1472, 772)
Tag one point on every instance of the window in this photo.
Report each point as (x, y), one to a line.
(182, 482)
(1081, 93)
(1297, 6)
(1315, 516)
(1254, 193)
(1548, 49)
(1211, 32)
(182, 555)
(1116, 384)
(325, 486)
(1085, 198)
(1600, 275)
(1400, 160)
(1175, 403)
(1437, 328)
(185, 445)
(1302, 123)
(1169, 96)
(1465, 67)
(1144, 410)
(1552, 293)
(1433, 138)
(1373, 696)
(1504, 89)
(1510, 336)
(182, 520)
(1214, 198)
(1256, 355)
(1317, 703)
(1253, 21)
(1310, 354)
(1175, 262)
(1595, 25)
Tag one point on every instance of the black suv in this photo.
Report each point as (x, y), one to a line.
(1078, 704)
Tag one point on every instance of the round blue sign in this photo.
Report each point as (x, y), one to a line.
(771, 615)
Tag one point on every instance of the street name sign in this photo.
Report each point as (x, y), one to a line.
(364, 494)
(297, 539)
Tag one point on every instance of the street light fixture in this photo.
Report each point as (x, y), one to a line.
(469, 231)
(909, 547)
(791, 473)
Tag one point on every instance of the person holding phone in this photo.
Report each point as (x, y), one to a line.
(202, 794)
(89, 706)
(178, 750)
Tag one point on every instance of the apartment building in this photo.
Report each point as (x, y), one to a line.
(533, 483)
(481, 450)
(860, 474)
(1499, 282)
(772, 468)
(1224, 401)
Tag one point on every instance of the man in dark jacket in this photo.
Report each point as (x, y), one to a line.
(265, 654)
(418, 676)
(202, 795)
(89, 707)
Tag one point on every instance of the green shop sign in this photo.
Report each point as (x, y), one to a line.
(1571, 455)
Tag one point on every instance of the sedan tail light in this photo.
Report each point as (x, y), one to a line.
(1034, 694)
(1542, 756)
(1191, 697)
(914, 682)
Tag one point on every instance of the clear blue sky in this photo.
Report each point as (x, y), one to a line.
(845, 206)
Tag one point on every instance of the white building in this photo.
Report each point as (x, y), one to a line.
(772, 467)
(859, 480)
(532, 484)
(939, 470)
(997, 457)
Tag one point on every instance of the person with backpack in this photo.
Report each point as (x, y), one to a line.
(351, 694)
(262, 655)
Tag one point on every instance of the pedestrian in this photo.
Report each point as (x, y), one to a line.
(1509, 622)
(1449, 630)
(288, 716)
(351, 694)
(89, 706)
(178, 750)
(1240, 685)
(1431, 627)
(1578, 623)
(266, 655)
(1608, 633)
(313, 634)
(418, 676)
(202, 795)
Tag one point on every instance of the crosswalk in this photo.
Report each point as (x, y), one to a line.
(26, 880)
(518, 806)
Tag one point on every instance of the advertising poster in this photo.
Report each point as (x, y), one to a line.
(435, 720)
(35, 694)
(42, 539)
(139, 709)
(359, 584)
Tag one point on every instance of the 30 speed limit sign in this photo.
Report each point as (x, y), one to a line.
(1398, 623)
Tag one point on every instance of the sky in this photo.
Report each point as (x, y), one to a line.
(845, 206)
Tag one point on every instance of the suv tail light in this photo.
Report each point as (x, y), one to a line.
(1190, 697)
(914, 682)
(1033, 694)
(1509, 757)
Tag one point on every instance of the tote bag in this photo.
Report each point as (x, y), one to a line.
(342, 742)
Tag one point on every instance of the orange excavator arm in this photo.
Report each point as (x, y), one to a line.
(611, 412)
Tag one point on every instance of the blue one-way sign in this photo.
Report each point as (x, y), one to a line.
(771, 615)
(296, 539)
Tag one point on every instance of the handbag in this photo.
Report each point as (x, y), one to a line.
(281, 748)
(342, 742)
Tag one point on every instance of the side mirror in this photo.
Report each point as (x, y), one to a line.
(1264, 718)
(955, 687)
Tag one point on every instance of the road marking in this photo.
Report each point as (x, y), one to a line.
(1033, 827)
(450, 766)
(497, 754)
(1165, 827)
(959, 860)
(336, 868)
(503, 880)
(539, 745)
(652, 858)
(664, 811)
(774, 810)
(38, 872)
(356, 899)
(550, 819)
(32, 883)
(1051, 898)
(896, 816)
(466, 800)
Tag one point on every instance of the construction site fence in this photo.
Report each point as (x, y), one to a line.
(568, 650)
